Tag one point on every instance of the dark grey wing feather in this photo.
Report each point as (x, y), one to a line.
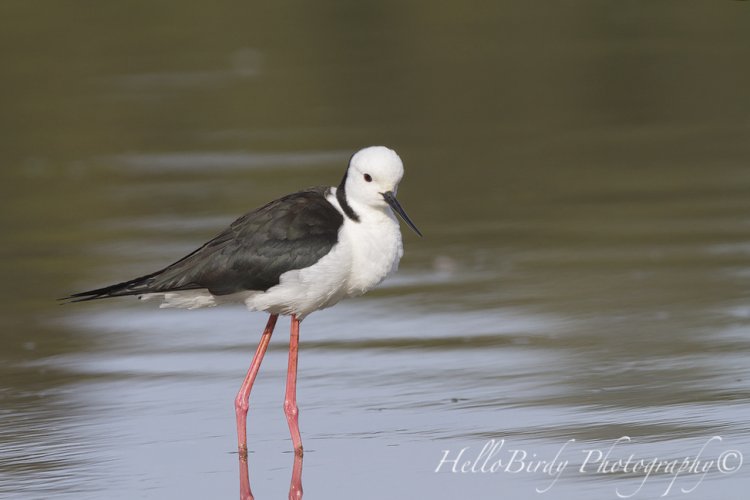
(292, 232)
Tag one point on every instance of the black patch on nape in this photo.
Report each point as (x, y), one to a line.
(341, 197)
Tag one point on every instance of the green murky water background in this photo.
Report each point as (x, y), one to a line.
(582, 176)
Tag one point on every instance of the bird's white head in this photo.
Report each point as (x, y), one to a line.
(372, 180)
(373, 171)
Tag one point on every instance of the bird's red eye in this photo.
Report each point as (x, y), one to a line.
(368, 178)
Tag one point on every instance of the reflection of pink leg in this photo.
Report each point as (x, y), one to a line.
(291, 411)
(242, 403)
(295, 490)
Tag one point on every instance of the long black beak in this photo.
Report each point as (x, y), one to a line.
(394, 204)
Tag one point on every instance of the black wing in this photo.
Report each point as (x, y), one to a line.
(292, 232)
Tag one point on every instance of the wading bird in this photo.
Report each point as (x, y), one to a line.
(298, 254)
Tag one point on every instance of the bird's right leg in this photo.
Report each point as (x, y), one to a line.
(292, 412)
(242, 404)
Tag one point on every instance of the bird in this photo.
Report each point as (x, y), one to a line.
(298, 254)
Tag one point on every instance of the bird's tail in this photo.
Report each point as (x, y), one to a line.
(137, 286)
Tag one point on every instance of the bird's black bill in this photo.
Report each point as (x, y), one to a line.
(394, 204)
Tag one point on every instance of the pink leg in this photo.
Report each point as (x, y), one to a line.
(242, 404)
(292, 412)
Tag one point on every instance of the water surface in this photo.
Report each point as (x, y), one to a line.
(580, 173)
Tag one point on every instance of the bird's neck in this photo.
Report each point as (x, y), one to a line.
(343, 202)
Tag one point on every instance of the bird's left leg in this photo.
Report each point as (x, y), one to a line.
(242, 404)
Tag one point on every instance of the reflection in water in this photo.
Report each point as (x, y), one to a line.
(295, 487)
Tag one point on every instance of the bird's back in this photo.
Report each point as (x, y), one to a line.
(292, 232)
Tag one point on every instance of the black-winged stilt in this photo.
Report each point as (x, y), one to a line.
(298, 254)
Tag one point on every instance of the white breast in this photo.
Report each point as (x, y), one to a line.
(376, 249)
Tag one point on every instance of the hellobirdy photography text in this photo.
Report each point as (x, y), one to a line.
(667, 475)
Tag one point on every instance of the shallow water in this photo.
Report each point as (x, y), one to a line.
(581, 175)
